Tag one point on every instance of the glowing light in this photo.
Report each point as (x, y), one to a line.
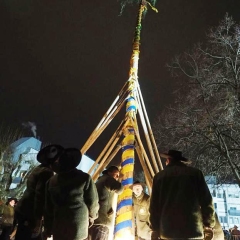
(126, 235)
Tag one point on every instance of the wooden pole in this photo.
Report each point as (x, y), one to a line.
(117, 133)
(109, 115)
(147, 175)
(104, 165)
(150, 129)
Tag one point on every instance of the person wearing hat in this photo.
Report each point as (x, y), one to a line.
(7, 219)
(181, 205)
(71, 200)
(235, 231)
(30, 208)
(107, 185)
(141, 202)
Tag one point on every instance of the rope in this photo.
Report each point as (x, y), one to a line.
(152, 7)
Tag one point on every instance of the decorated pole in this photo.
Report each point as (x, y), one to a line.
(124, 217)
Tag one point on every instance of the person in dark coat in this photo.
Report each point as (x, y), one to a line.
(141, 202)
(7, 219)
(30, 208)
(181, 205)
(107, 185)
(71, 200)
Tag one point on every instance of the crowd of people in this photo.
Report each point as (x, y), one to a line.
(64, 202)
(232, 233)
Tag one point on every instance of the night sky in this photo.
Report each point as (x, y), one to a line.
(62, 63)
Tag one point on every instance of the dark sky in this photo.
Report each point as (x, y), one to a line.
(63, 62)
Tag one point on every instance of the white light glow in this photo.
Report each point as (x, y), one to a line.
(126, 236)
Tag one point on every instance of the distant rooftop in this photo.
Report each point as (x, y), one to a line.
(33, 142)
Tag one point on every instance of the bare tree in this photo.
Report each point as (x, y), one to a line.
(204, 119)
(9, 167)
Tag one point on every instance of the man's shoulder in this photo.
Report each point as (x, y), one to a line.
(102, 178)
(109, 183)
(81, 173)
(194, 171)
(106, 178)
(146, 197)
(177, 168)
(41, 172)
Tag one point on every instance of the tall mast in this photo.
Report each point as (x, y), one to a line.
(124, 217)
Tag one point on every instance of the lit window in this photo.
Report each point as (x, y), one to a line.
(220, 195)
(214, 193)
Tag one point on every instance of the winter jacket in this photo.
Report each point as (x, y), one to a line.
(31, 205)
(106, 187)
(71, 202)
(7, 215)
(181, 203)
(141, 213)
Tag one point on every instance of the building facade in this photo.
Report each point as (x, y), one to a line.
(25, 151)
(226, 199)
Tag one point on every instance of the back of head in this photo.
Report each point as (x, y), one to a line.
(175, 156)
(13, 200)
(112, 171)
(69, 160)
(49, 154)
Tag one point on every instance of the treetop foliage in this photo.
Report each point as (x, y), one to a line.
(203, 121)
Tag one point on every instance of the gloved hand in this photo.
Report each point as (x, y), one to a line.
(154, 235)
(208, 233)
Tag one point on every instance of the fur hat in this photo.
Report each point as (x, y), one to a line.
(69, 160)
(175, 155)
(50, 154)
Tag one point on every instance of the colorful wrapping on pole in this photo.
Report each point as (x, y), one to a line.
(123, 225)
(124, 217)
